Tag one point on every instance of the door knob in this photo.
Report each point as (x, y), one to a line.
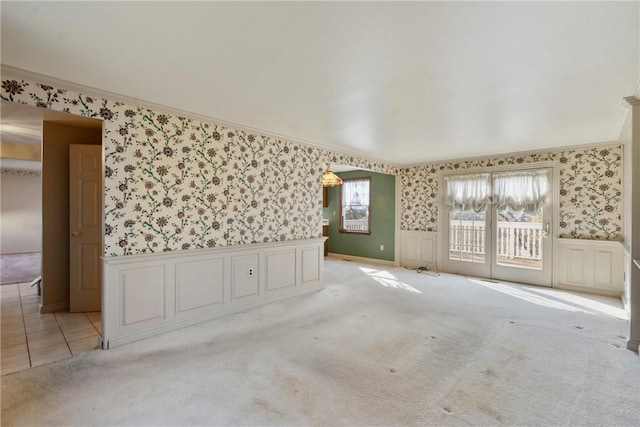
(76, 234)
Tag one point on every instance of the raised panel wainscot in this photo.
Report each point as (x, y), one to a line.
(590, 266)
(148, 294)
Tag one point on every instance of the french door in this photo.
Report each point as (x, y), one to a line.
(501, 243)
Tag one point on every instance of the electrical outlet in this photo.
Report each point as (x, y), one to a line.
(382, 247)
(250, 272)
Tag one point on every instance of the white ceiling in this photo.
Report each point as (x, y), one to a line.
(402, 82)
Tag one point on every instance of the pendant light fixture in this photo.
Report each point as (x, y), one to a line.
(330, 179)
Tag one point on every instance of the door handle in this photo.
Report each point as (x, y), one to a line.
(547, 229)
(76, 234)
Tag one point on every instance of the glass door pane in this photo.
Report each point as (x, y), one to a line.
(467, 231)
(519, 240)
(522, 246)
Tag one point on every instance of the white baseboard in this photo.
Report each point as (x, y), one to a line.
(626, 305)
(588, 290)
(361, 259)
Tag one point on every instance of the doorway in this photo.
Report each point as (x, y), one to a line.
(361, 215)
(40, 327)
(498, 225)
(50, 134)
(59, 256)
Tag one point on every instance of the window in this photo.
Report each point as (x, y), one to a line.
(354, 206)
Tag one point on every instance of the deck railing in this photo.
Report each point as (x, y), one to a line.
(356, 224)
(522, 240)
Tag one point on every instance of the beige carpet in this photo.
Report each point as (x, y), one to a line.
(375, 347)
(19, 268)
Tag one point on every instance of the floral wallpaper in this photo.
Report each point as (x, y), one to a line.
(590, 191)
(175, 183)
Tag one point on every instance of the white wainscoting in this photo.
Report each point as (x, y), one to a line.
(419, 248)
(590, 266)
(148, 294)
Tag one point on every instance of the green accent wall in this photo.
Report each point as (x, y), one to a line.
(382, 211)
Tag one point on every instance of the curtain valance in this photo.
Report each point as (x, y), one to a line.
(520, 192)
(517, 191)
(467, 192)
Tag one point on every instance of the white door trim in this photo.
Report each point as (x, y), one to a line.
(555, 220)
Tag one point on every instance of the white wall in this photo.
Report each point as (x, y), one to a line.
(20, 212)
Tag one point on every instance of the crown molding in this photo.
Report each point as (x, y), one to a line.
(18, 73)
(517, 153)
(628, 101)
(19, 172)
(632, 100)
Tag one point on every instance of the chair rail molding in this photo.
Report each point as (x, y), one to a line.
(149, 294)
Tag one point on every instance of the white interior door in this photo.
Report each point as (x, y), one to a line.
(85, 242)
(501, 245)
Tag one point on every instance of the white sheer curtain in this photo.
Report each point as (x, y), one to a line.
(520, 192)
(355, 193)
(467, 192)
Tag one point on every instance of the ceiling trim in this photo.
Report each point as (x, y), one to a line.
(518, 153)
(20, 167)
(632, 100)
(112, 96)
(20, 172)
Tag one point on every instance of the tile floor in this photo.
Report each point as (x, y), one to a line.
(31, 339)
